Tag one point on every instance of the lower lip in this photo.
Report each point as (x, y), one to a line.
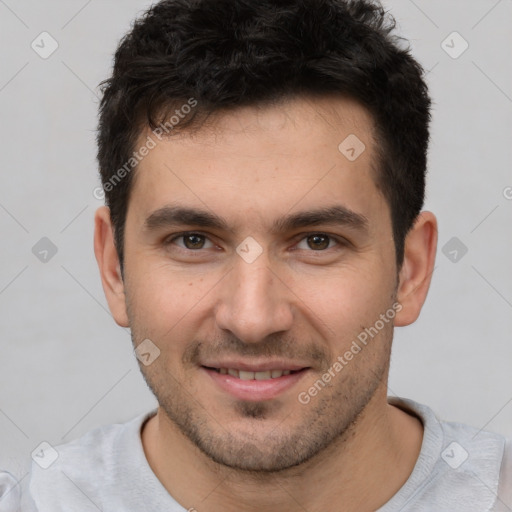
(255, 390)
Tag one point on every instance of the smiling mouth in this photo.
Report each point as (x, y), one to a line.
(248, 375)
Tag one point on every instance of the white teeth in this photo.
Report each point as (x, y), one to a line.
(245, 375)
(262, 375)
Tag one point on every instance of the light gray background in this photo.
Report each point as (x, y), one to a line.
(66, 367)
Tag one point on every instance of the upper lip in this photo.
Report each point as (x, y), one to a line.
(257, 366)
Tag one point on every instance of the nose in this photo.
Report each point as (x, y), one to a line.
(255, 302)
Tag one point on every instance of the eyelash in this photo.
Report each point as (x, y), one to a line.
(340, 242)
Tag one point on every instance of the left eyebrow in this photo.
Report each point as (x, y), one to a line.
(336, 215)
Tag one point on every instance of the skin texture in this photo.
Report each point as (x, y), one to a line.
(303, 300)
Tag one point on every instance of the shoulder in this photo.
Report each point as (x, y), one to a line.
(472, 451)
(72, 472)
(459, 466)
(475, 462)
(10, 494)
(458, 445)
(504, 501)
(95, 449)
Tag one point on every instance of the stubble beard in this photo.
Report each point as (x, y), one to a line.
(329, 419)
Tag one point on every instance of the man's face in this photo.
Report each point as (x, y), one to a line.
(227, 267)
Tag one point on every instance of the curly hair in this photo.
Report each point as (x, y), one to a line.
(224, 54)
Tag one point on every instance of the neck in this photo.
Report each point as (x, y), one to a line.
(359, 472)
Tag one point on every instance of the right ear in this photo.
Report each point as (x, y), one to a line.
(109, 266)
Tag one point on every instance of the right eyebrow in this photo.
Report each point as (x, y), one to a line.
(178, 215)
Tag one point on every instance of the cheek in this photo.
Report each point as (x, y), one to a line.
(165, 301)
(345, 301)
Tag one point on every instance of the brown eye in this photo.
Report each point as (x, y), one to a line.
(190, 241)
(318, 242)
(193, 241)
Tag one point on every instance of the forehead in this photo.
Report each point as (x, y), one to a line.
(264, 160)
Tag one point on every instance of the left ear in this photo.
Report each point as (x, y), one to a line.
(418, 265)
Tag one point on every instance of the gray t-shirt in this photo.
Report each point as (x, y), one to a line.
(459, 469)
